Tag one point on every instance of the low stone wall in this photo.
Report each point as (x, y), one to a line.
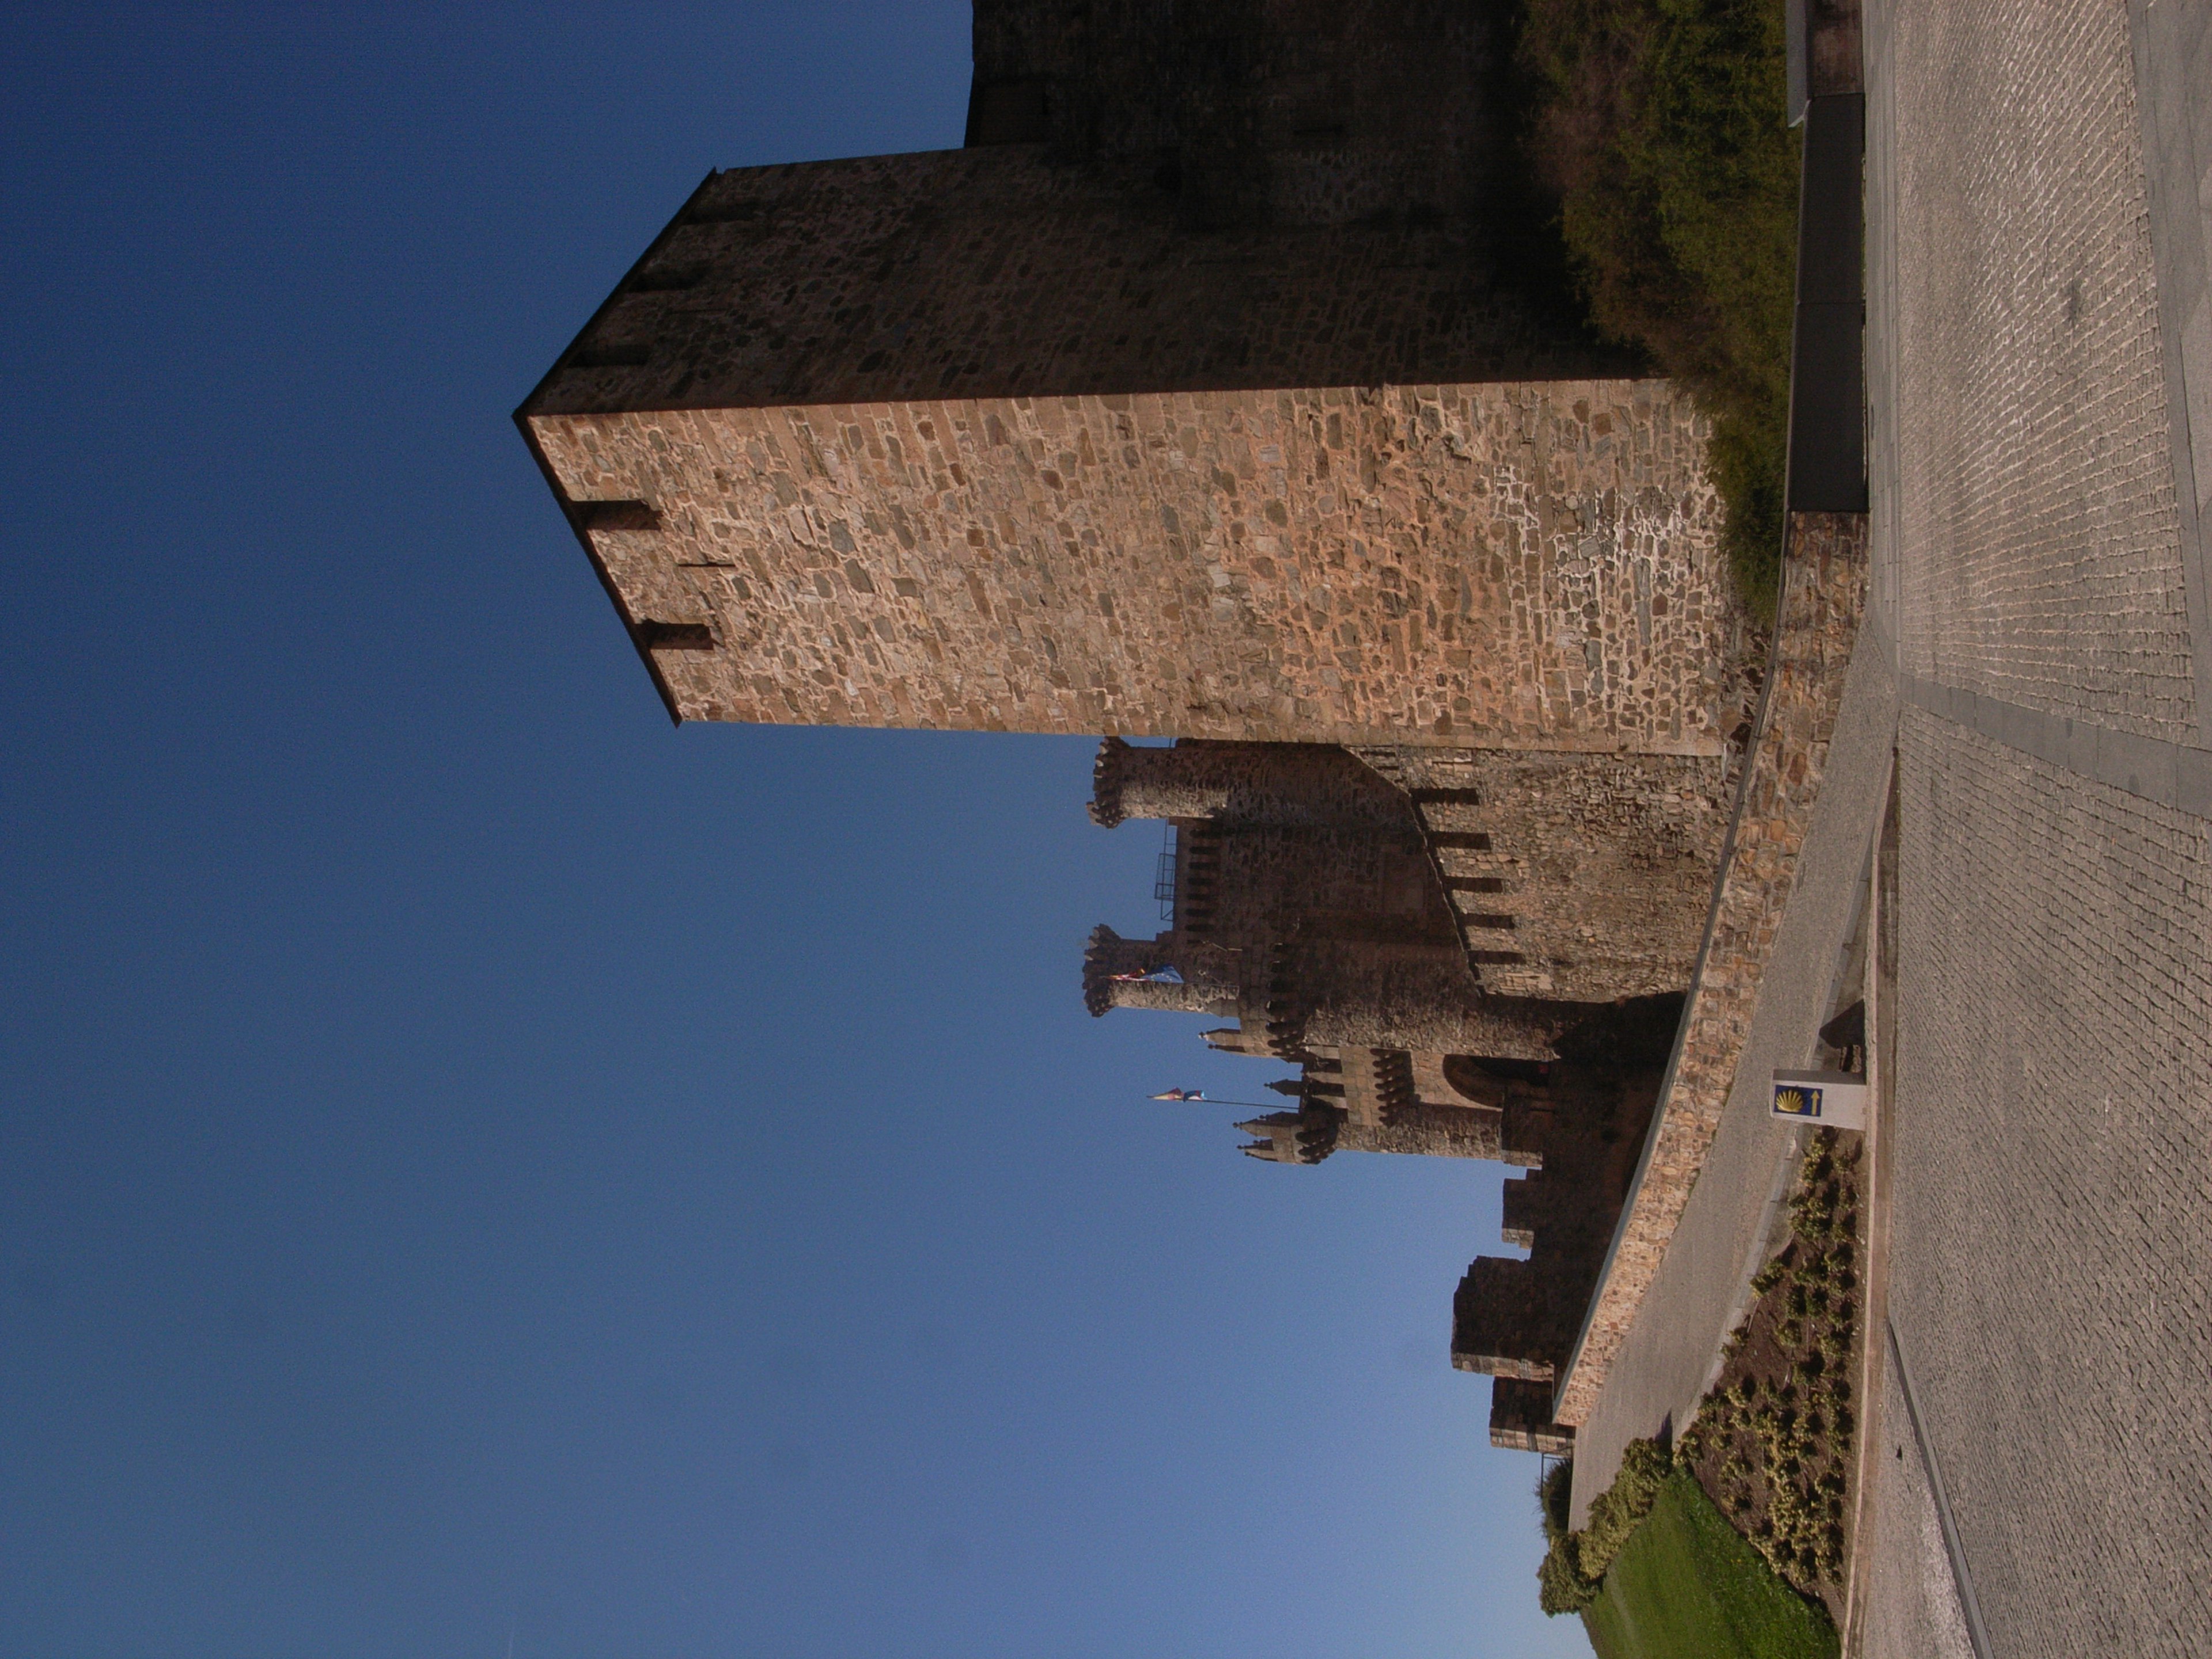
(1824, 589)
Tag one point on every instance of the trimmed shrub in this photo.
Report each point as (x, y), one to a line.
(1573, 1569)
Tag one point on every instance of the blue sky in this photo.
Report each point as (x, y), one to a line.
(482, 1166)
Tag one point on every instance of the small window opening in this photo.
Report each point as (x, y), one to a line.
(616, 515)
(1475, 884)
(668, 279)
(612, 354)
(675, 636)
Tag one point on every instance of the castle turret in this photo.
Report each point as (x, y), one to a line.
(1305, 1136)
(1162, 973)
(1275, 785)
(1387, 993)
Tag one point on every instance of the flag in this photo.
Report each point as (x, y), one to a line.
(1150, 976)
(1181, 1093)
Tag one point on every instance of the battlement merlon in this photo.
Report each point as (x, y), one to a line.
(1520, 1419)
(1503, 1323)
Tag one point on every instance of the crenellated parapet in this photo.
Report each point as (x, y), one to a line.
(1517, 1319)
(1504, 1323)
(1305, 1136)
(1520, 1419)
(1452, 949)
(1578, 876)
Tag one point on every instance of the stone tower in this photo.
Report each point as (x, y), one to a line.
(1200, 394)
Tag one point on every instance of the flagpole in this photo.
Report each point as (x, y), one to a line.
(1208, 1100)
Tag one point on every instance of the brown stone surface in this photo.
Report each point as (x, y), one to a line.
(1287, 111)
(1824, 585)
(1429, 901)
(1530, 565)
(985, 439)
(982, 274)
(1573, 875)
(1214, 390)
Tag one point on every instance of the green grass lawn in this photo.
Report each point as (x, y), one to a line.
(1688, 1586)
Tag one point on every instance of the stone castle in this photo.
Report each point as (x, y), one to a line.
(1211, 391)
(1466, 953)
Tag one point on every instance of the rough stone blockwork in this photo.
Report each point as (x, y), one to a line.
(967, 439)
(1824, 595)
(1295, 566)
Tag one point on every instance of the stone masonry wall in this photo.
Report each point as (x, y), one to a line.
(1314, 111)
(1002, 273)
(1271, 785)
(1500, 566)
(1573, 875)
(954, 441)
(1517, 1319)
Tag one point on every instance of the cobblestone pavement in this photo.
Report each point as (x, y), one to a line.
(2036, 297)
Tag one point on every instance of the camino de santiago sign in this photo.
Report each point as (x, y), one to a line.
(1831, 1100)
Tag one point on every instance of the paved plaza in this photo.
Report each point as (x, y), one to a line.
(2040, 372)
(2026, 689)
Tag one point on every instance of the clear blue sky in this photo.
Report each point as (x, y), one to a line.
(483, 1165)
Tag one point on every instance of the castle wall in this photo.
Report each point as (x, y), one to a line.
(955, 440)
(1427, 1131)
(1281, 567)
(1596, 870)
(1007, 272)
(1345, 884)
(1518, 1319)
(1411, 996)
(1350, 904)
(1308, 110)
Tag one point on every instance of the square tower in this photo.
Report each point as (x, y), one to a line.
(1165, 407)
